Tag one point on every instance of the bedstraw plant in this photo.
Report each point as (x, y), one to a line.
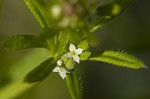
(68, 37)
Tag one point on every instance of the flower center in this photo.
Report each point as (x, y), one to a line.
(73, 53)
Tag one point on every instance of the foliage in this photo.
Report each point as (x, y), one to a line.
(41, 72)
(69, 22)
(117, 58)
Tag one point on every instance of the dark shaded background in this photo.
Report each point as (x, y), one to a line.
(128, 32)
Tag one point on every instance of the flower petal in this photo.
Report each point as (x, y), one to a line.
(79, 51)
(62, 72)
(72, 48)
(76, 58)
(68, 55)
(63, 75)
(56, 69)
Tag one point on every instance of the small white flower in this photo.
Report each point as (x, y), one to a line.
(59, 63)
(56, 69)
(74, 53)
(61, 71)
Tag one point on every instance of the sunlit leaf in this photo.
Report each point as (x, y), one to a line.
(22, 42)
(41, 71)
(74, 85)
(117, 58)
(105, 14)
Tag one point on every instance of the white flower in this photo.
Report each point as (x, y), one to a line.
(59, 63)
(74, 53)
(61, 71)
(73, 56)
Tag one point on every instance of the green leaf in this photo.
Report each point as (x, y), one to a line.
(58, 43)
(23, 42)
(84, 45)
(74, 85)
(37, 10)
(117, 58)
(40, 72)
(62, 42)
(108, 12)
(85, 55)
(43, 11)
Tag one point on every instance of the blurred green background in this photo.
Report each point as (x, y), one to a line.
(129, 32)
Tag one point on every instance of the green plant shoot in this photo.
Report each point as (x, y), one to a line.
(68, 30)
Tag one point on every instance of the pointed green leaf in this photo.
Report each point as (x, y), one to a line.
(22, 42)
(85, 55)
(37, 10)
(84, 45)
(74, 85)
(117, 58)
(105, 14)
(40, 72)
